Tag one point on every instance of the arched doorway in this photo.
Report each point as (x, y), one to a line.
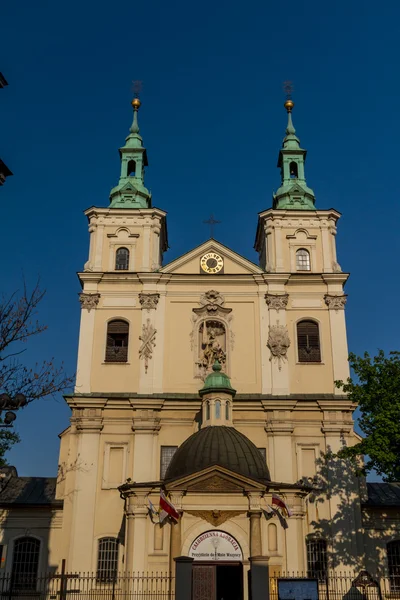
(217, 566)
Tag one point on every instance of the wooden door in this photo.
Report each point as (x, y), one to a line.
(204, 582)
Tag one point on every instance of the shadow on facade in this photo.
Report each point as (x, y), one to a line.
(354, 532)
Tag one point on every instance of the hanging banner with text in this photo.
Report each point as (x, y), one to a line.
(215, 545)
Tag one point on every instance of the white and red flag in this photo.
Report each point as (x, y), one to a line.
(280, 503)
(167, 506)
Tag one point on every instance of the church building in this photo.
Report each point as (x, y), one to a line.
(209, 380)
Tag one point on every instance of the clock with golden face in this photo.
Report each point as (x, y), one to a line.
(211, 263)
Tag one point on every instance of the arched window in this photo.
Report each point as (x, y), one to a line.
(227, 415)
(217, 409)
(293, 170)
(25, 563)
(207, 410)
(117, 341)
(308, 344)
(393, 556)
(122, 259)
(131, 168)
(107, 559)
(303, 262)
(317, 563)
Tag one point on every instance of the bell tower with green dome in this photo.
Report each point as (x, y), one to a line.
(293, 194)
(131, 191)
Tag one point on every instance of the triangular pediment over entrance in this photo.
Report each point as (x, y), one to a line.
(233, 263)
(216, 479)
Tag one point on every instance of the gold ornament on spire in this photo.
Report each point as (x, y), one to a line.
(288, 89)
(136, 88)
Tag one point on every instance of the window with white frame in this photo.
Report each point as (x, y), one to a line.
(303, 262)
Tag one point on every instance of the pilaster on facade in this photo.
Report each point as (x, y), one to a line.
(335, 302)
(145, 421)
(149, 301)
(89, 301)
(279, 426)
(254, 499)
(276, 301)
(87, 420)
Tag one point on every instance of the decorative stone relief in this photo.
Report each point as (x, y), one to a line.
(148, 342)
(277, 301)
(211, 300)
(278, 343)
(215, 517)
(89, 301)
(149, 301)
(335, 302)
(211, 333)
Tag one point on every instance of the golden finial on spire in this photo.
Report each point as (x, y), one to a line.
(288, 89)
(136, 88)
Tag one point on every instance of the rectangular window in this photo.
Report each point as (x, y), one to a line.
(167, 452)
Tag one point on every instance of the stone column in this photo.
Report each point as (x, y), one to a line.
(88, 424)
(88, 301)
(150, 342)
(146, 425)
(98, 256)
(255, 533)
(266, 375)
(129, 533)
(278, 331)
(136, 530)
(336, 304)
(175, 543)
(255, 523)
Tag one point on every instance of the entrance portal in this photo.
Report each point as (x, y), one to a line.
(217, 581)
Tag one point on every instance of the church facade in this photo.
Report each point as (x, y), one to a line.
(211, 380)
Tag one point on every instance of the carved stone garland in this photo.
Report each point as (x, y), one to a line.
(148, 342)
(335, 302)
(149, 301)
(278, 343)
(89, 301)
(277, 301)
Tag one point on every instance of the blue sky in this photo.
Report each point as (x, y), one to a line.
(213, 121)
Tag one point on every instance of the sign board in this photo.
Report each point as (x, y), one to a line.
(297, 589)
(215, 545)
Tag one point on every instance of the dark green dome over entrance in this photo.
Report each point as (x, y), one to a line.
(220, 445)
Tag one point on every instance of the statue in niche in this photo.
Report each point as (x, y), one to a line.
(212, 344)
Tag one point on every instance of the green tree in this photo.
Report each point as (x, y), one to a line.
(377, 394)
(18, 324)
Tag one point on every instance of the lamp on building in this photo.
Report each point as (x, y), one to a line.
(7, 403)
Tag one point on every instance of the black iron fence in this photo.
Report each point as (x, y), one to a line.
(86, 586)
(337, 586)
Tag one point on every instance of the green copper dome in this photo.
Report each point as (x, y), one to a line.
(217, 381)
